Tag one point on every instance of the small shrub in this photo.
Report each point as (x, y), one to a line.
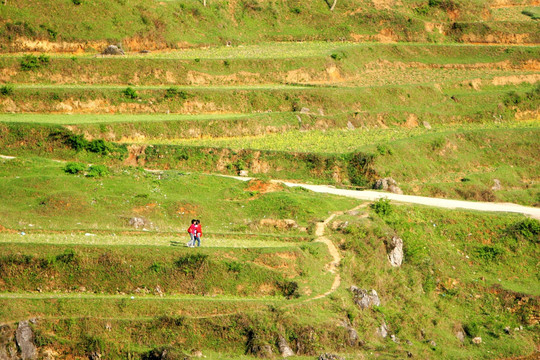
(226, 62)
(173, 92)
(337, 56)
(489, 253)
(156, 267)
(437, 144)
(234, 266)
(296, 10)
(93, 344)
(130, 93)
(511, 98)
(472, 329)
(289, 289)
(97, 171)
(69, 257)
(6, 90)
(191, 263)
(382, 207)
(74, 168)
(98, 146)
(77, 2)
(528, 229)
(77, 142)
(197, 60)
(30, 62)
(384, 149)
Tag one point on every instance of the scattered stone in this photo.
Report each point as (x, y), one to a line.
(432, 343)
(158, 290)
(409, 342)
(243, 173)
(144, 51)
(304, 110)
(350, 126)
(25, 340)
(395, 251)
(284, 348)
(321, 112)
(426, 125)
(94, 356)
(197, 353)
(279, 223)
(507, 330)
(364, 299)
(383, 330)
(409, 354)
(388, 184)
(394, 338)
(113, 50)
(461, 336)
(497, 185)
(477, 340)
(327, 356)
(139, 222)
(108, 326)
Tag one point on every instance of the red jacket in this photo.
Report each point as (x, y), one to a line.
(195, 229)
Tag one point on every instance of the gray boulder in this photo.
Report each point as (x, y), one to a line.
(284, 348)
(365, 299)
(140, 223)
(327, 356)
(395, 251)
(113, 50)
(388, 184)
(383, 330)
(25, 340)
(496, 185)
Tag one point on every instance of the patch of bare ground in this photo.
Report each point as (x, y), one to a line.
(501, 65)
(516, 79)
(497, 38)
(263, 187)
(497, 4)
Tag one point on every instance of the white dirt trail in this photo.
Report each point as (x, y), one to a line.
(369, 195)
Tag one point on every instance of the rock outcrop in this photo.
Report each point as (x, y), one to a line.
(365, 299)
(25, 340)
(395, 251)
(388, 184)
(284, 348)
(113, 50)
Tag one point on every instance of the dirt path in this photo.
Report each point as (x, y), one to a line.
(369, 195)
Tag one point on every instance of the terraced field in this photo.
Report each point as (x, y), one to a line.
(106, 159)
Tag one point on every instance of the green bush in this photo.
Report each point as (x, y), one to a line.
(98, 146)
(77, 2)
(528, 229)
(489, 253)
(31, 62)
(511, 98)
(382, 207)
(130, 93)
(289, 289)
(472, 329)
(77, 142)
(360, 168)
(74, 168)
(6, 89)
(337, 56)
(97, 171)
(190, 263)
(173, 92)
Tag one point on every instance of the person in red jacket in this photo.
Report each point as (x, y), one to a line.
(198, 233)
(192, 232)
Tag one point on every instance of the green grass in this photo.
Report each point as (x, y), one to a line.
(53, 199)
(339, 141)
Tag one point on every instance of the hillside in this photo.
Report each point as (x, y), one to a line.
(105, 160)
